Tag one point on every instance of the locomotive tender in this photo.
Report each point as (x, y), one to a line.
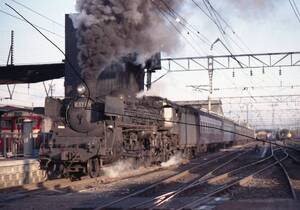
(102, 121)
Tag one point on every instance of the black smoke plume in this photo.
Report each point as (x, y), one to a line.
(111, 29)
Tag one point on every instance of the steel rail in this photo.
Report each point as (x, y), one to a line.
(210, 176)
(59, 184)
(294, 158)
(171, 177)
(166, 196)
(289, 180)
(241, 181)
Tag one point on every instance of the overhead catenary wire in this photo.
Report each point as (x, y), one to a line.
(38, 13)
(220, 19)
(176, 29)
(40, 27)
(255, 87)
(212, 13)
(217, 18)
(75, 72)
(181, 20)
(295, 9)
(165, 14)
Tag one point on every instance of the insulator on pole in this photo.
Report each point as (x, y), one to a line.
(251, 73)
(263, 70)
(233, 74)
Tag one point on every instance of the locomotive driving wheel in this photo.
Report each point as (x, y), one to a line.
(93, 167)
(55, 171)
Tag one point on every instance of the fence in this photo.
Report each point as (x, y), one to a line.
(11, 144)
(14, 145)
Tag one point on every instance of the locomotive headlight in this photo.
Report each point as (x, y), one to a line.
(81, 89)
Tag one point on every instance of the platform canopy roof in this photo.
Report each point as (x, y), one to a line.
(8, 108)
(17, 74)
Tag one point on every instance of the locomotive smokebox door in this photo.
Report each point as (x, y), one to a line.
(83, 114)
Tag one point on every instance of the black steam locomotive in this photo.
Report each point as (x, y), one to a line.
(88, 134)
(101, 121)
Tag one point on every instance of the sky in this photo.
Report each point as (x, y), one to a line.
(260, 26)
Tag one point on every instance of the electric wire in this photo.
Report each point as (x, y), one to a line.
(75, 72)
(38, 13)
(42, 28)
(176, 29)
(214, 19)
(212, 13)
(186, 24)
(164, 13)
(295, 9)
(179, 32)
(220, 19)
(213, 16)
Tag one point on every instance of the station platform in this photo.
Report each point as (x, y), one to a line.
(16, 172)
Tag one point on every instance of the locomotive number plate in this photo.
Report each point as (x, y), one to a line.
(82, 104)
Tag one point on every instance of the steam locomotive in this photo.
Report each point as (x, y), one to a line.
(88, 134)
(101, 120)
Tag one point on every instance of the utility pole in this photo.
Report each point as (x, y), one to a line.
(50, 90)
(10, 61)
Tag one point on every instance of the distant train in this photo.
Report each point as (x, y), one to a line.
(284, 134)
(274, 135)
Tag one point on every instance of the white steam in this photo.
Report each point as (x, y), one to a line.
(119, 168)
(174, 160)
(111, 29)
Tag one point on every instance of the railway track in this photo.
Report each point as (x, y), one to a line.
(281, 158)
(266, 163)
(65, 186)
(180, 189)
(60, 186)
(287, 166)
(286, 174)
(221, 182)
